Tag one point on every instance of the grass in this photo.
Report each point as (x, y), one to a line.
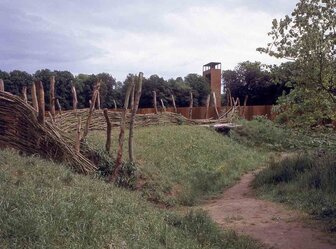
(45, 205)
(263, 133)
(306, 182)
(181, 164)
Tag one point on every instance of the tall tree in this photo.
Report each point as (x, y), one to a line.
(308, 38)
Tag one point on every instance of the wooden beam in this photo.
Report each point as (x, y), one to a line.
(154, 102)
(174, 104)
(2, 85)
(207, 107)
(191, 105)
(215, 104)
(163, 106)
(34, 97)
(52, 96)
(24, 94)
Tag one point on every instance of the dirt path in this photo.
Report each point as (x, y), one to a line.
(265, 221)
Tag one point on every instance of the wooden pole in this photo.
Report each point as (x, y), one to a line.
(78, 135)
(2, 85)
(52, 96)
(245, 103)
(41, 102)
(163, 106)
(215, 104)
(174, 104)
(207, 107)
(34, 97)
(115, 105)
(191, 105)
(132, 95)
(59, 107)
(89, 118)
(98, 100)
(74, 99)
(24, 94)
(138, 90)
(118, 163)
(108, 132)
(154, 102)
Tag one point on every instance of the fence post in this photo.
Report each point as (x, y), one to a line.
(154, 102)
(174, 105)
(34, 97)
(207, 107)
(215, 104)
(138, 88)
(163, 106)
(41, 102)
(191, 105)
(108, 132)
(74, 99)
(2, 85)
(24, 94)
(52, 96)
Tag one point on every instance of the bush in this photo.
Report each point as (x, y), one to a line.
(304, 181)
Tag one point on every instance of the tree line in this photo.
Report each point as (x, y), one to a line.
(262, 85)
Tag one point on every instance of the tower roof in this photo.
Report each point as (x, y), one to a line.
(212, 64)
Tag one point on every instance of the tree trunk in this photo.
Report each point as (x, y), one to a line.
(108, 132)
(138, 89)
(41, 102)
(52, 96)
(118, 163)
(191, 105)
(154, 102)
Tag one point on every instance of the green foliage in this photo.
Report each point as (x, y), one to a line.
(180, 164)
(256, 81)
(45, 205)
(313, 174)
(308, 38)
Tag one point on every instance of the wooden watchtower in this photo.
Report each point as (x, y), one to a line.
(213, 72)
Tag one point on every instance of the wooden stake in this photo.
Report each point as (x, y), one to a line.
(244, 108)
(163, 106)
(52, 96)
(98, 100)
(78, 135)
(154, 102)
(34, 97)
(51, 118)
(88, 121)
(115, 105)
(74, 99)
(2, 85)
(59, 107)
(108, 132)
(215, 104)
(174, 105)
(118, 163)
(24, 94)
(191, 105)
(138, 89)
(41, 102)
(132, 95)
(207, 107)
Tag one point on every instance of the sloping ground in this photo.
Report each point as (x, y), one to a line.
(20, 129)
(270, 223)
(45, 205)
(180, 164)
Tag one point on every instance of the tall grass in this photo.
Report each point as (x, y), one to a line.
(180, 164)
(306, 181)
(45, 205)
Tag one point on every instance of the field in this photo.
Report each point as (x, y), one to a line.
(44, 204)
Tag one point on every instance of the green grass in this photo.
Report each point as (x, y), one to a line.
(181, 164)
(45, 205)
(306, 182)
(263, 133)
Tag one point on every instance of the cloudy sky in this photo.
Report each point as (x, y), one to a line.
(169, 38)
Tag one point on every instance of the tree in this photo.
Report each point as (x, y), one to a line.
(200, 88)
(308, 38)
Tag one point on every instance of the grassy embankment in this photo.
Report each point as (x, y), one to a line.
(181, 164)
(45, 205)
(306, 180)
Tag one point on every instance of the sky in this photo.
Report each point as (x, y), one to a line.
(168, 38)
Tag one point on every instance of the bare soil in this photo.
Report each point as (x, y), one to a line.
(271, 223)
